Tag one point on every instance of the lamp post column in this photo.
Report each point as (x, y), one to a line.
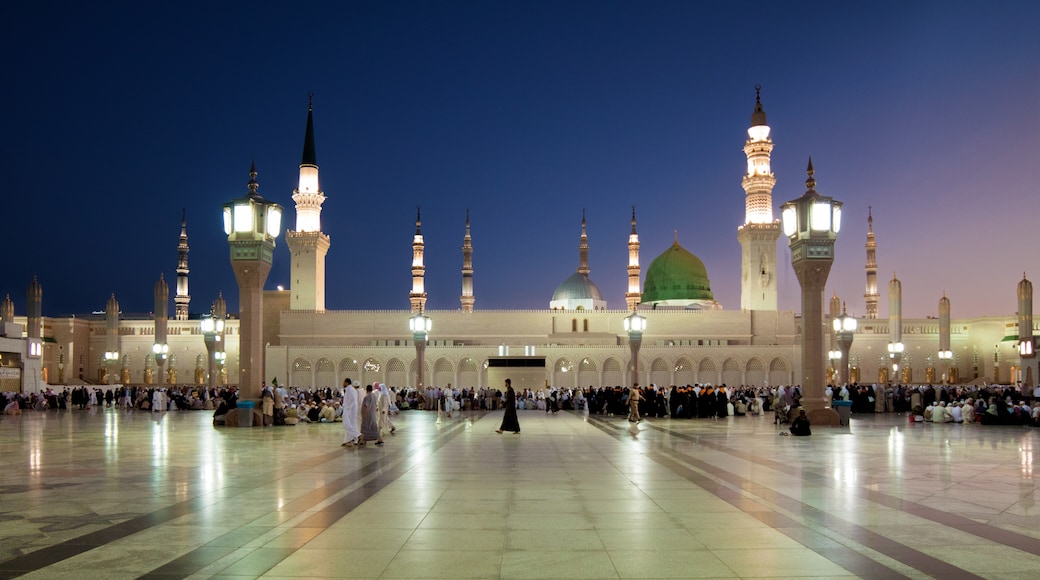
(634, 326)
(811, 224)
(420, 325)
(251, 224)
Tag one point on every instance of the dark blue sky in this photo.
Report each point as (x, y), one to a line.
(117, 116)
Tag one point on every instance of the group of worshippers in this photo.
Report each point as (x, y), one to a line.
(988, 405)
(366, 413)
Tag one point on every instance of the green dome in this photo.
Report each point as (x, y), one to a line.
(676, 275)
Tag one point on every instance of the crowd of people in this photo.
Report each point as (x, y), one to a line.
(993, 404)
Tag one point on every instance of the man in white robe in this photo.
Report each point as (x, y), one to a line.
(350, 414)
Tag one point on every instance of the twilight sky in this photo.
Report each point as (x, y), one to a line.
(118, 115)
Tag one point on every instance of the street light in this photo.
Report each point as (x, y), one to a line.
(811, 224)
(420, 325)
(252, 224)
(835, 357)
(212, 334)
(635, 325)
(895, 354)
(845, 329)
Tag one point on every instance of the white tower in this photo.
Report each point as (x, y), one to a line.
(633, 296)
(467, 297)
(760, 231)
(871, 296)
(308, 245)
(418, 294)
(182, 298)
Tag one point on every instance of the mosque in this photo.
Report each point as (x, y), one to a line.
(577, 341)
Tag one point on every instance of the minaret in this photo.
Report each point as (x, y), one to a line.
(182, 298)
(307, 244)
(161, 294)
(760, 231)
(418, 294)
(944, 323)
(7, 310)
(1026, 353)
(895, 326)
(34, 314)
(467, 298)
(583, 248)
(945, 353)
(633, 296)
(871, 295)
(111, 337)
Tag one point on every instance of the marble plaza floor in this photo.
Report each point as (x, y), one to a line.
(113, 494)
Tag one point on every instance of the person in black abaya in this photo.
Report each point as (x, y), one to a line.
(509, 421)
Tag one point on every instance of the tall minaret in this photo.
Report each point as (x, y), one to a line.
(418, 294)
(111, 336)
(872, 293)
(633, 296)
(1026, 353)
(308, 245)
(895, 325)
(467, 298)
(34, 311)
(182, 298)
(583, 248)
(760, 231)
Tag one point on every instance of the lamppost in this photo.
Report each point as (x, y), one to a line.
(635, 325)
(160, 349)
(845, 330)
(835, 357)
(811, 224)
(212, 333)
(895, 355)
(420, 325)
(252, 224)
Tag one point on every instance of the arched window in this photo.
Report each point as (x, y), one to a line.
(585, 324)
(574, 325)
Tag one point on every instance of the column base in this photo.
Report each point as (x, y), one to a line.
(826, 417)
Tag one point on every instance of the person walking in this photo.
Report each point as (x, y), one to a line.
(370, 418)
(634, 397)
(350, 414)
(509, 420)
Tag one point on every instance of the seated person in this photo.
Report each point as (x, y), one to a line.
(955, 413)
(800, 425)
(327, 414)
(314, 413)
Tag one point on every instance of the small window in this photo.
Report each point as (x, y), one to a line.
(574, 325)
(586, 324)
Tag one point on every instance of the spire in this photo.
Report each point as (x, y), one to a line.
(633, 297)
(310, 157)
(467, 298)
(758, 118)
(810, 183)
(417, 297)
(253, 185)
(871, 296)
(583, 248)
(182, 298)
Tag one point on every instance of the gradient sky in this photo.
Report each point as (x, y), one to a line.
(117, 116)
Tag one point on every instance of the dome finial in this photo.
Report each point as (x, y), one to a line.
(810, 183)
(676, 232)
